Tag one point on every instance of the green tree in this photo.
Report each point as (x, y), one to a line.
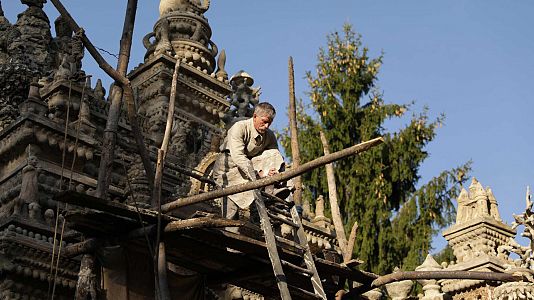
(379, 187)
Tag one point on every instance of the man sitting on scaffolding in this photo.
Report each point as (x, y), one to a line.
(249, 151)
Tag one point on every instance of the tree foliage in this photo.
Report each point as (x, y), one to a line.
(379, 187)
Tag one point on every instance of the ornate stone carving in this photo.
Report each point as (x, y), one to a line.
(32, 45)
(244, 98)
(29, 192)
(431, 288)
(514, 291)
(197, 6)
(184, 33)
(477, 203)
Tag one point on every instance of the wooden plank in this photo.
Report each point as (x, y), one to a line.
(303, 294)
(270, 242)
(282, 220)
(297, 268)
(308, 257)
(120, 209)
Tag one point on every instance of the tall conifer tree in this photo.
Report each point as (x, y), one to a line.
(379, 187)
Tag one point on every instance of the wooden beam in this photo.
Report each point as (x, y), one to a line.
(86, 246)
(334, 204)
(110, 132)
(295, 150)
(293, 172)
(120, 209)
(417, 275)
(203, 222)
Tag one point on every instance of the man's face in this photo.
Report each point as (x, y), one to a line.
(261, 123)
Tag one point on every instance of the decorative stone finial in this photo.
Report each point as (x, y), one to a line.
(30, 3)
(320, 219)
(1, 10)
(430, 287)
(494, 211)
(194, 6)
(319, 206)
(62, 28)
(183, 32)
(473, 186)
(99, 91)
(221, 73)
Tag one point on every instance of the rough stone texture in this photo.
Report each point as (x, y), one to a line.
(475, 239)
(42, 85)
(399, 290)
(478, 231)
(479, 292)
(514, 291)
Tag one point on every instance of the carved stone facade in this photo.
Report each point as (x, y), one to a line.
(52, 118)
(475, 240)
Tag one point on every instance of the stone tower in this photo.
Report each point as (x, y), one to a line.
(182, 34)
(475, 239)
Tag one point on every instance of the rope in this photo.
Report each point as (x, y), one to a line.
(60, 189)
(78, 125)
(74, 153)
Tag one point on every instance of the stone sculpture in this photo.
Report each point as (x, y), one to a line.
(244, 98)
(477, 203)
(167, 6)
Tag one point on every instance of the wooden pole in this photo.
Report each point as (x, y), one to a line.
(295, 150)
(164, 293)
(417, 275)
(334, 205)
(122, 81)
(86, 286)
(351, 241)
(202, 222)
(160, 259)
(293, 172)
(110, 132)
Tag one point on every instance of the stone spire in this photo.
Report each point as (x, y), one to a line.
(493, 206)
(1, 10)
(183, 32)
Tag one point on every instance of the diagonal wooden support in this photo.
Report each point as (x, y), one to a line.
(122, 81)
(316, 163)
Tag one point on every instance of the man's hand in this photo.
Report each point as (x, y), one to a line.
(261, 174)
(272, 171)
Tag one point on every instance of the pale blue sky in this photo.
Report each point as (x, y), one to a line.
(471, 60)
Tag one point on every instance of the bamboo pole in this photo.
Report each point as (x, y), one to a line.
(110, 132)
(293, 172)
(295, 150)
(122, 81)
(334, 205)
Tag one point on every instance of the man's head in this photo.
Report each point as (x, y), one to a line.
(263, 117)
